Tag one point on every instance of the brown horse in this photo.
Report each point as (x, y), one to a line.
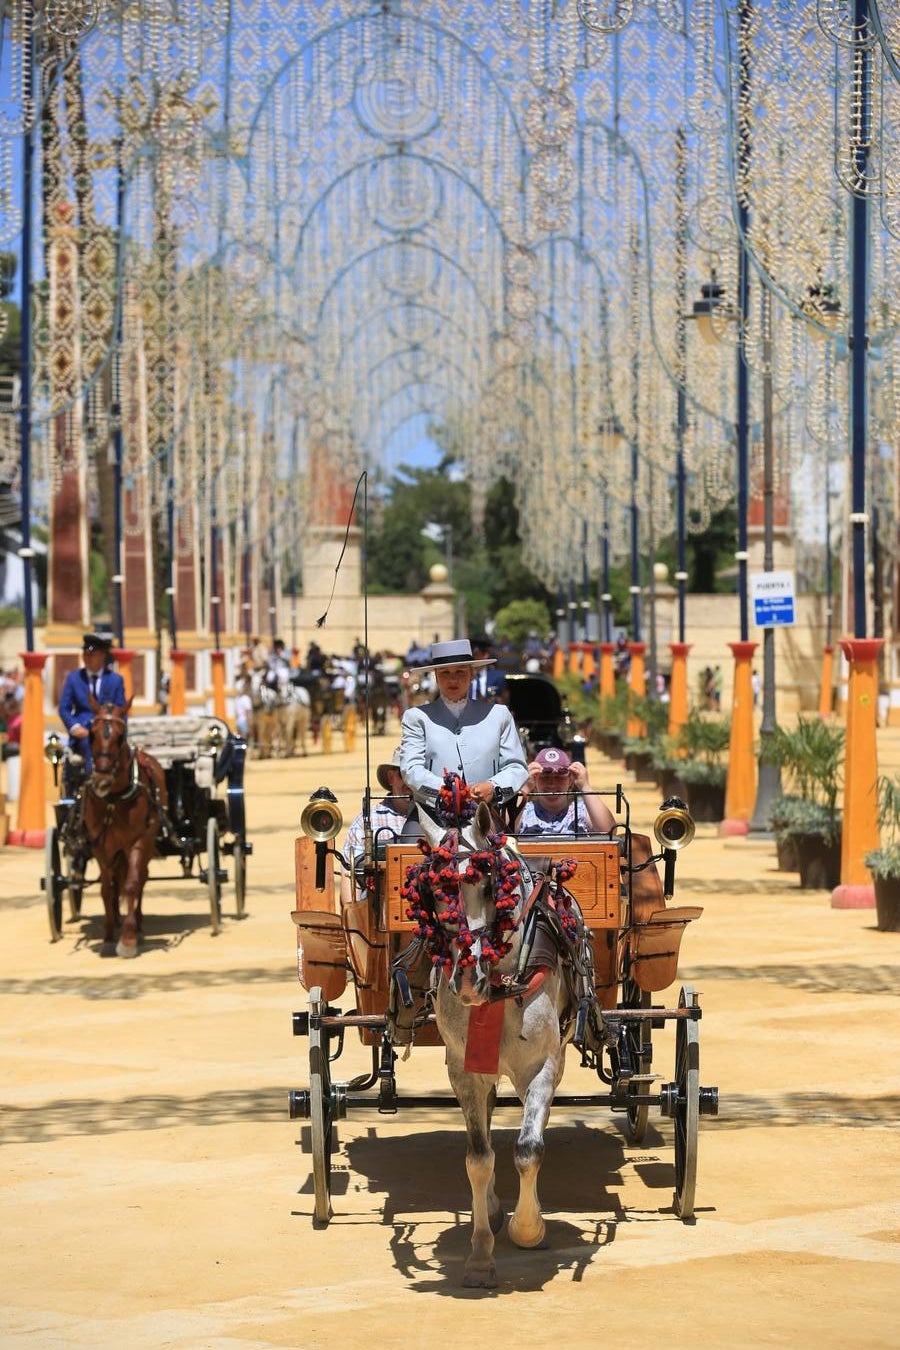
(124, 801)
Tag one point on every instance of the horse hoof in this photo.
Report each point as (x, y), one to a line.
(126, 948)
(523, 1238)
(480, 1277)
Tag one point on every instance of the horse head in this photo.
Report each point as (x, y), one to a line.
(466, 894)
(110, 755)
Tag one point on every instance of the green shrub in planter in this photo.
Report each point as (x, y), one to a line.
(812, 754)
(885, 860)
(704, 742)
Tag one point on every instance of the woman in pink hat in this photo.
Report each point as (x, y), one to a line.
(561, 800)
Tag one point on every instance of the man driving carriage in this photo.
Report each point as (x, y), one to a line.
(94, 679)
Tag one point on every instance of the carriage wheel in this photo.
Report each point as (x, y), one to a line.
(76, 870)
(54, 883)
(239, 865)
(321, 1118)
(638, 1034)
(687, 1107)
(214, 886)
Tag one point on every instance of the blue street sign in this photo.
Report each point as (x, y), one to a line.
(773, 598)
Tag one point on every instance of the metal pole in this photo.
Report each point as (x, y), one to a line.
(743, 383)
(116, 405)
(858, 334)
(681, 370)
(26, 552)
(769, 780)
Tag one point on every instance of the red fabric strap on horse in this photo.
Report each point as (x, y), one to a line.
(483, 1039)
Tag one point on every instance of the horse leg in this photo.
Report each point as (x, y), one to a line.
(476, 1096)
(526, 1225)
(110, 904)
(132, 889)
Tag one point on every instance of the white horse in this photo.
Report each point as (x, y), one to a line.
(503, 1009)
(295, 715)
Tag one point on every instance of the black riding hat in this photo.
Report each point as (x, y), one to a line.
(96, 642)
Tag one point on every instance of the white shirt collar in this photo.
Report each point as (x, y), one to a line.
(456, 708)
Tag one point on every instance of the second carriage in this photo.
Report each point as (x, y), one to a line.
(203, 762)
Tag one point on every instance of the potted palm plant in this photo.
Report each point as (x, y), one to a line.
(884, 861)
(642, 752)
(702, 763)
(812, 756)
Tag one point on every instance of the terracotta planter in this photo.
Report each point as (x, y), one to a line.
(640, 763)
(787, 854)
(887, 904)
(706, 801)
(669, 784)
(819, 861)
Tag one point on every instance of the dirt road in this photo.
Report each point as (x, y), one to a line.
(154, 1194)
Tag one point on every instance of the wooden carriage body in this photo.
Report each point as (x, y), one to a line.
(617, 887)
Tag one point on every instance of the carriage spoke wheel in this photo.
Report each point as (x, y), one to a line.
(76, 870)
(321, 1116)
(638, 1034)
(239, 866)
(54, 883)
(687, 1106)
(213, 865)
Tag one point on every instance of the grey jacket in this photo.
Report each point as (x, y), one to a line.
(482, 743)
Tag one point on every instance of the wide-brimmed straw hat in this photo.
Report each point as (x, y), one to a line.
(455, 653)
(381, 773)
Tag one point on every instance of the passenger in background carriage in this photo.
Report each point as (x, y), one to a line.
(93, 679)
(560, 799)
(489, 682)
(391, 817)
(459, 734)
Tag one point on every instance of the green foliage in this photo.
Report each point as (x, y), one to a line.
(798, 815)
(812, 753)
(702, 748)
(885, 861)
(515, 621)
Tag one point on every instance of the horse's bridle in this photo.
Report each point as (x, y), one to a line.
(104, 763)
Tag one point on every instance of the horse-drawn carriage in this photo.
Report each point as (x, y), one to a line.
(568, 936)
(194, 813)
(541, 716)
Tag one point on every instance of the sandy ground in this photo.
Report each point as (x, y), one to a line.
(155, 1193)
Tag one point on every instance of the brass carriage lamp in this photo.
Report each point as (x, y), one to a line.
(54, 751)
(674, 829)
(321, 820)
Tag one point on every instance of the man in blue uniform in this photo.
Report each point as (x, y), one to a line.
(93, 678)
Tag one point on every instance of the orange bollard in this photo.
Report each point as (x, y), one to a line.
(826, 696)
(559, 663)
(607, 670)
(678, 689)
(637, 683)
(178, 684)
(218, 683)
(859, 829)
(588, 663)
(574, 658)
(32, 816)
(123, 659)
(740, 786)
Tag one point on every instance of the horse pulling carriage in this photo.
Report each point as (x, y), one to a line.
(505, 952)
(161, 787)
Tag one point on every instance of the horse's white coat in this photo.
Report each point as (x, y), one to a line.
(532, 1055)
